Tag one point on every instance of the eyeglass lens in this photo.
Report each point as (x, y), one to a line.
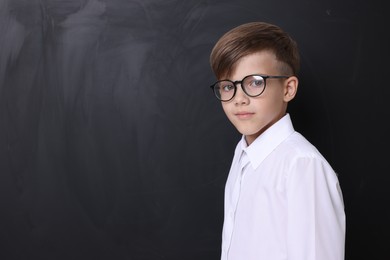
(252, 85)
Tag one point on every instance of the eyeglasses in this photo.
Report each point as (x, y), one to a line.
(252, 85)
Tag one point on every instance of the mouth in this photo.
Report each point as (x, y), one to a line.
(244, 115)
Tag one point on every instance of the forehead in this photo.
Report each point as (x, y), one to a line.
(263, 62)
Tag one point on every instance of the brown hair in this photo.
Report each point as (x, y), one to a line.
(250, 38)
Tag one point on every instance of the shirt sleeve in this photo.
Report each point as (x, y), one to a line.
(316, 217)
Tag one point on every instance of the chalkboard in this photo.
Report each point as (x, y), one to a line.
(112, 146)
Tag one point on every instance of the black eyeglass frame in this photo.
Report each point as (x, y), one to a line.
(235, 83)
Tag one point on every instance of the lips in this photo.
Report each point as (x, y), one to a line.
(244, 115)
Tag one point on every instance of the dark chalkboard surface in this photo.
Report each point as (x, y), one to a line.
(112, 146)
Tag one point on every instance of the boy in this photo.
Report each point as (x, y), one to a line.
(282, 198)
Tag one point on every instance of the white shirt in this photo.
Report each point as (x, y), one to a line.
(282, 201)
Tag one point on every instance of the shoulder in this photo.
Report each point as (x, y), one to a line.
(298, 154)
(298, 146)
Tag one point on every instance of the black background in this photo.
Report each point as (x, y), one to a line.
(112, 146)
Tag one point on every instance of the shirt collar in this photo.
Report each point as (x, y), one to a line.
(267, 141)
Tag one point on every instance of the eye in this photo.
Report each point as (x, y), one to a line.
(226, 87)
(256, 83)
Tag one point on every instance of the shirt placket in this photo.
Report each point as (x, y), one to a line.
(236, 193)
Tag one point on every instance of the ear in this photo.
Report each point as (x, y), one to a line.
(290, 88)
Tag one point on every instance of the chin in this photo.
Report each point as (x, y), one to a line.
(250, 133)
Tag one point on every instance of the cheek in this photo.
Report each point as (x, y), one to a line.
(274, 101)
(226, 108)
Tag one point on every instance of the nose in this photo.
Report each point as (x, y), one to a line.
(240, 98)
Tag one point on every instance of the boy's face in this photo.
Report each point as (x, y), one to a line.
(253, 115)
